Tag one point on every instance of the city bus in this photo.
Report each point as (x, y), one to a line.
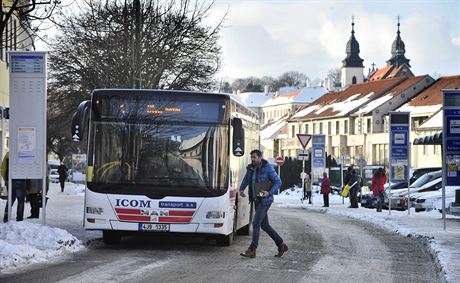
(166, 161)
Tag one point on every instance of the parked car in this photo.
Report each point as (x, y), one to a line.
(419, 172)
(54, 176)
(399, 200)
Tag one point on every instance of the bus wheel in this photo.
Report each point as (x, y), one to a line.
(224, 240)
(111, 237)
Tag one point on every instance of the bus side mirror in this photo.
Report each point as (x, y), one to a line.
(238, 137)
(80, 121)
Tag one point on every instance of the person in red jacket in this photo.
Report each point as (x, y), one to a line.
(378, 182)
(325, 189)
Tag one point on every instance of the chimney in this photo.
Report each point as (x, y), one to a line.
(277, 93)
(308, 82)
(238, 92)
(266, 89)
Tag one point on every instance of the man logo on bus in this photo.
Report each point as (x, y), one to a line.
(133, 203)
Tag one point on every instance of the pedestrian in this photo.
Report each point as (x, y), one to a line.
(62, 171)
(307, 188)
(261, 172)
(326, 189)
(18, 191)
(378, 182)
(354, 187)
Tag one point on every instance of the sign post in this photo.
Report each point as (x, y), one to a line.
(399, 152)
(451, 144)
(27, 145)
(304, 139)
(318, 160)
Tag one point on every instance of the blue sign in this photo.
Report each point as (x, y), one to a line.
(318, 157)
(177, 204)
(451, 137)
(399, 146)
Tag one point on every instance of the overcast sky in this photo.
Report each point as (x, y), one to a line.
(269, 37)
(273, 36)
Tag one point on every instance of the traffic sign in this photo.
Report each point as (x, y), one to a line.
(304, 139)
(280, 161)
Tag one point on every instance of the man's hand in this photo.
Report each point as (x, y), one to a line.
(242, 194)
(265, 194)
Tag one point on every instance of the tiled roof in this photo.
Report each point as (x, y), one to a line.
(404, 85)
(380, 74)
(432, 95)
(337, 104)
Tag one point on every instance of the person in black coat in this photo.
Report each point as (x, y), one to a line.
(62, 171)
(353, 182)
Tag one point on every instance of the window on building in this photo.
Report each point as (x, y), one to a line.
(314, 128)
(321, 128)
(300, 129)
(436, 149)
(353, 80)
(293, 131)
(369, 125)
(425, 149)
(337, 127)
(329, 128)
(307, 130)
(345, 127)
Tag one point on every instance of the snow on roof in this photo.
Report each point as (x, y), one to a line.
(255, 99)
(305, 111)
(302, 96)
(434, 121)
(374, 104)
(337, 104)
(273, 129)
(417, 110)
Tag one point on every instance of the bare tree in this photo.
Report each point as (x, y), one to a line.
(130, 44)
(292, 78)
(334, 77)
(26, 11)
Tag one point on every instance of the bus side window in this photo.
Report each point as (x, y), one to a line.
(238, 137)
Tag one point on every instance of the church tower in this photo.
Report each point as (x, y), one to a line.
(352, 68)
(398, 49)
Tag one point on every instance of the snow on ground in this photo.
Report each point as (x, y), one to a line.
(28, 242)
(427, 226)
(23, 243)
(69, 189)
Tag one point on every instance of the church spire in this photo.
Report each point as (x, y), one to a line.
(398, 49)
(352, 59)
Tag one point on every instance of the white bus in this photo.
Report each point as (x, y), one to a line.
(165, 161)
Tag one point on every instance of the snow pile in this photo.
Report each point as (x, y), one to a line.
(23, 243)
(70, 189)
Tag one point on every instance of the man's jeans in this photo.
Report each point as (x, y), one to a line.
(260, 220)
(19, 192)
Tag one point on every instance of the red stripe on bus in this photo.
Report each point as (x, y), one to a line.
(134, 218)
(128, 210)
(181, 212)
(175, 219)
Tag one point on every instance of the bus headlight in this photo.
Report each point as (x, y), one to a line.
(94, 210)
(215, 214)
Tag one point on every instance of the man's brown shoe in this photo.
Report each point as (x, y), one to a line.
(282, 249)
(249, 253)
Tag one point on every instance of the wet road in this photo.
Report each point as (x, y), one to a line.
(323, 248)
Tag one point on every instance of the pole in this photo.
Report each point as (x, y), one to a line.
(10, 191)
(444, 176)
(389, 194)
(408, 170)
(303, 177)
(279, 175)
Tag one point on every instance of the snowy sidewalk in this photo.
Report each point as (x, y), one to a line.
(28, 242)
(428, 226)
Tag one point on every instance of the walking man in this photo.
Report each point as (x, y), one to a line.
(62, 170)
(260, 171)
(378, 187)
(354, 186)
(307, 189)
(18, 191)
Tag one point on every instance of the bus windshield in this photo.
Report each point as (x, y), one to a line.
(159, 159)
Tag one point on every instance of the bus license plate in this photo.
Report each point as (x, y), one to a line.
(154, 227)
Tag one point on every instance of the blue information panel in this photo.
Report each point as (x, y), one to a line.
(399, 147)
(318, 157)
(451, 138)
